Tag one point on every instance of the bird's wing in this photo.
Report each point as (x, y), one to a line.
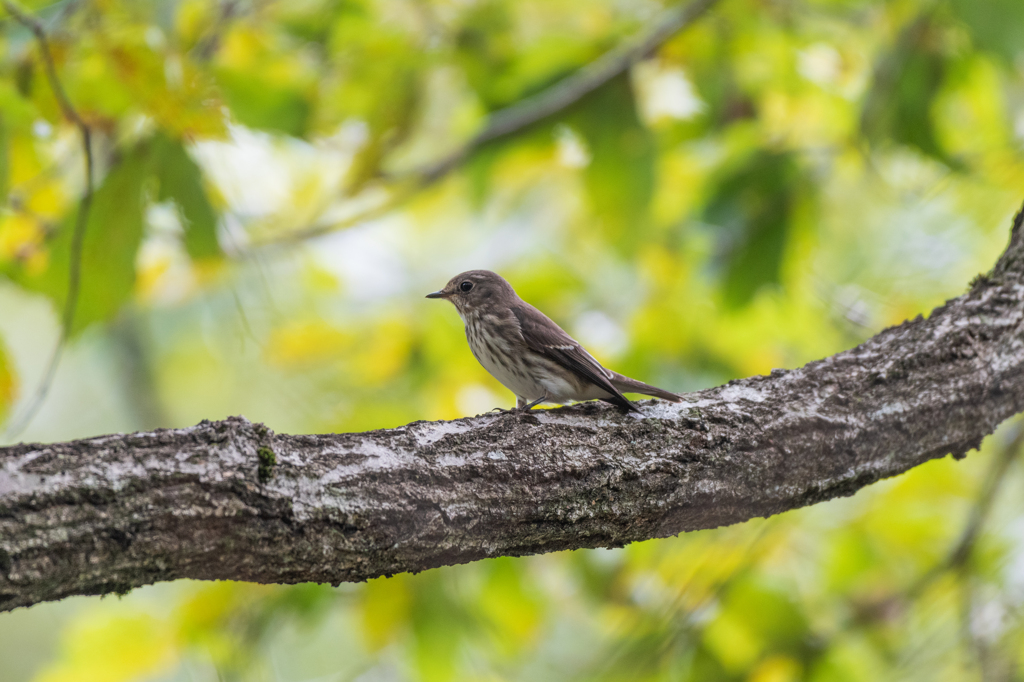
(547, 338)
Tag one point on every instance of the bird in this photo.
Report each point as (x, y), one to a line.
(528, 353)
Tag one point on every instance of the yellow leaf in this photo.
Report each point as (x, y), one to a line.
(386, 608)
(8, 384)
(21, 235)
(149, 274)
(204, 619)
(305, 343)
(776, 669)
(195, 19)
(382, 354)
(732, 642)
(112, 648)
(509, 604)
(25, 163)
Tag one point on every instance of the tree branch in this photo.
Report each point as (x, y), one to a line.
(522, 115)
(565, 93)
(81, 219)
(231, 500)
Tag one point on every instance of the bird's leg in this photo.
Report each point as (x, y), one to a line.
(523, 408)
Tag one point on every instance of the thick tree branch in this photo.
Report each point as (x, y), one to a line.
(232, 500)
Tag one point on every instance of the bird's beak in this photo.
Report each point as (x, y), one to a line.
(437, 294)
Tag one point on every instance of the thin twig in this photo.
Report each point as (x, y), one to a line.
(961, 551)
(527, 112)
(81, 220)
(983, 507)
(958, 556)
(208, 44)
(572, 89)
(957, 559)
(398, 198)
(674, 610)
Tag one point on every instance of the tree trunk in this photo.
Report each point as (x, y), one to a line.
(232, 500)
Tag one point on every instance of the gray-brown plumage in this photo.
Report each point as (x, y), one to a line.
(528, 353)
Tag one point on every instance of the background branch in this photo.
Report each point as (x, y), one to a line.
(986, 498)
(525, 113)
(31, 408)
(565, 93)
(878, 609)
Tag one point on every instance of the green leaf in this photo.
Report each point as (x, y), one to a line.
(259, 104)
(24, 70)
(5, 160)
(486, 49)
(898, 107)
(996, 26)
(510, 605)
(502, 68)
(371, 57)
(181, 181)
(752, 208)
(19, 113)
(440, 625)
(768, 611)
(113, 233)
(620, 176)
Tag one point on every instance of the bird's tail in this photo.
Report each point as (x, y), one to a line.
(627, 385)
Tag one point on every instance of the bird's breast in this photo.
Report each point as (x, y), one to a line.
(498, 346)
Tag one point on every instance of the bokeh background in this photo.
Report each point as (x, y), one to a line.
(773, 184)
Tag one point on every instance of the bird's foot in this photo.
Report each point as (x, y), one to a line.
(511, 410)
(520, 407)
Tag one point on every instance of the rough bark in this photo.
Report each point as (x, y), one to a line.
(232, 500)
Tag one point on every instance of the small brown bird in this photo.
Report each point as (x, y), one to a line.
(528, 353)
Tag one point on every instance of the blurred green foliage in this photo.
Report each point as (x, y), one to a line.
(774, 184)
(180, 180)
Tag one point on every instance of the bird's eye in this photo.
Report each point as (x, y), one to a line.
(466, 286)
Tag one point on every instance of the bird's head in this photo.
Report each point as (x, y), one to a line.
(474, 289)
